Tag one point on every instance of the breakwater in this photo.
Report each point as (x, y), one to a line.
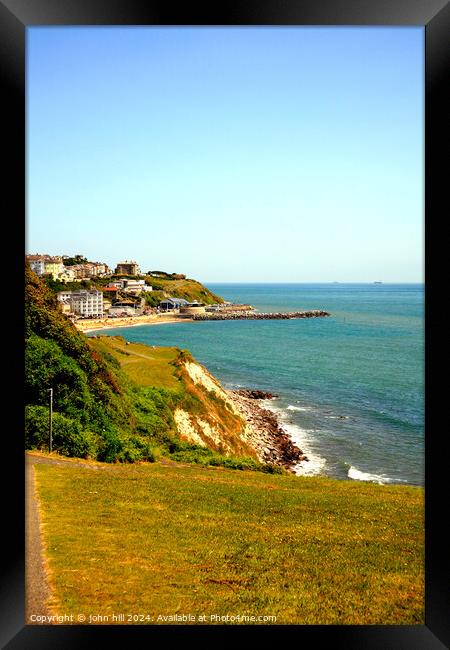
(251, 315)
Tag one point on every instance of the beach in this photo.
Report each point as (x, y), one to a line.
(265, 433)
(91, 325)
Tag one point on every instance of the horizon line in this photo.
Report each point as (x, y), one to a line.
(312, 282)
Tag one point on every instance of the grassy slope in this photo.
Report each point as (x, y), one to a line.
(160, 540)
(188, 289)
(143, 364)
(163, 367)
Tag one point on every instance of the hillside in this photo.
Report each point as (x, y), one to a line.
(164, 286)
(203, 412)
(115, 401)
(186, 288)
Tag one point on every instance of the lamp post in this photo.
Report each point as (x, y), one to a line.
(50, 417)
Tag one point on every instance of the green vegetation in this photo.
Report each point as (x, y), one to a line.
(159, 540)
(72, 261)
(114, 401)
(56, 286)
(188, 289)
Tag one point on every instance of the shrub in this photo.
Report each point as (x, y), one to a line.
(46, 365)
(110, 447)
(69, 438)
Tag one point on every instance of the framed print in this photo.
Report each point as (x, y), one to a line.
(228, 420)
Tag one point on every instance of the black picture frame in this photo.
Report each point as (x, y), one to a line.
(15, 17)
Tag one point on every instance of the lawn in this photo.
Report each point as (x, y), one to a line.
(159, 541)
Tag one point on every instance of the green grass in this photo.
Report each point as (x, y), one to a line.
(163, 540)
(145, 365)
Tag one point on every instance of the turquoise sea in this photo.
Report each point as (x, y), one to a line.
(350, 387)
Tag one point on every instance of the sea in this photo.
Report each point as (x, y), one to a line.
(349, 387)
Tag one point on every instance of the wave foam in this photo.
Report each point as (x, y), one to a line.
(381, 479)
(298, 408)
(303, 439)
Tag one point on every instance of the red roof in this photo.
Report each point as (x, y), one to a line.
(109, 289)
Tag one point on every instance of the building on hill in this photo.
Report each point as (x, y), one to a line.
(37, 263)
(136, 287)
(128, 268)
(133, 287)
(46, 264)
(84, 303)
(67, 275)
(89, 270)
(110, 292)
(168, 304)
(53, 266)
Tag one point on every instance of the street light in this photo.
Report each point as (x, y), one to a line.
(50, 390)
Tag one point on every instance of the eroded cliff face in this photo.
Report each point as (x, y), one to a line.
(238, 422)
(221, 425)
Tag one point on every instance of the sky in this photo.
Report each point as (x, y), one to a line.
(230, 154)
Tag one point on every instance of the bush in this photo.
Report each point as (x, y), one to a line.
(46, 365)
(110, 447)
(69, 438)
(188, 453)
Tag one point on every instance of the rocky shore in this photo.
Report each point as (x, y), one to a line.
(267, 437)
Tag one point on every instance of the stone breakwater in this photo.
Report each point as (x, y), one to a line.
(267, 437)
(250, 315)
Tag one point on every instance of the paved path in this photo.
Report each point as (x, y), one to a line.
(37, 589)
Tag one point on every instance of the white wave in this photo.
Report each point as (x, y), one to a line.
(381, 479)
(298, 408)
(303, 439)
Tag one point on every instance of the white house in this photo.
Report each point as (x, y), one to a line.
(130, 286)
(37, 263)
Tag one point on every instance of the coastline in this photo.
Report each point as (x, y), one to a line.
(93, 325)
(264, 432)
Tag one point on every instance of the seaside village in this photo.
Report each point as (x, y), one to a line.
(122, 296)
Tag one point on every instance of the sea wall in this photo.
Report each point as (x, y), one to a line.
(244, 315)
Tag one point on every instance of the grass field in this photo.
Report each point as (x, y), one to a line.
(158, 541)
(145, 365)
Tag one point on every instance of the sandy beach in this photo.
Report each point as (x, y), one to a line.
(130, 321)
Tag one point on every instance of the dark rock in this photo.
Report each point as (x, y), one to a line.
(254, 394)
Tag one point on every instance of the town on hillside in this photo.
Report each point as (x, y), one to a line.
(91, 290)
(104, 292)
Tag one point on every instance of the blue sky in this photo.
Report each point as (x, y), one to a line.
(229, 154)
